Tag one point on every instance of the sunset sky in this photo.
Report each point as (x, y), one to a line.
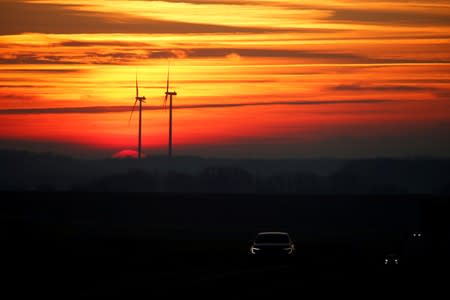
(255, 78)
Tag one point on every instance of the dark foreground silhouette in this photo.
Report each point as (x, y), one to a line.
(74, 245)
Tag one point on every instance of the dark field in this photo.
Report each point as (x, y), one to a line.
(134, 245)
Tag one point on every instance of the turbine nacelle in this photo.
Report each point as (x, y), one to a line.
(142, 99)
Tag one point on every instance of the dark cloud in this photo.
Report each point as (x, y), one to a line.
(65, 110)
(380, 88)
(249, 52)
(41, 71)
(220, 2)
(8, 86)
(36, 59)
(74, 43)
(163, 54)
(15, 96)
(443, 94)
(124, 57)
(382, 16)
(277, 53)
(228, 81)
(89, 57)
(215, 52)
(20, 17)
(114, 57)
(203, 81)
(293, 102)
(112, 109)
(120, 57)
(378, 16)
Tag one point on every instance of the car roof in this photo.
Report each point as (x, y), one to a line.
(273, 232)
(391, 255)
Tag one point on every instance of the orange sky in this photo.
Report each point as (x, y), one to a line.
(260, 78)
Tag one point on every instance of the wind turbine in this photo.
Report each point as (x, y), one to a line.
(140, 99)
(169, 94)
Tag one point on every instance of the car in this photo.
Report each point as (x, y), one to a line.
(416, 249)
(272, 244)
(392, 259)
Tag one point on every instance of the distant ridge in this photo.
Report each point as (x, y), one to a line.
(24, 170)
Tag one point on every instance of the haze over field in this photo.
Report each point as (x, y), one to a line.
(254, 78)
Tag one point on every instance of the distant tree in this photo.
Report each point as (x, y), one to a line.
(133, 181)
(226, 180)
(179, 182)
(292, 183)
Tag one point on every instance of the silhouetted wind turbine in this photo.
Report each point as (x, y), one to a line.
(140, 99)
(170, 109)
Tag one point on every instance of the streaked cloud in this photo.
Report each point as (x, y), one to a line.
(43, 70)
(381, 88)
(87, 55)
(116, 109)
(27, 59)
(112, 43)
(393, 17)
(7, 96)
(63, 18)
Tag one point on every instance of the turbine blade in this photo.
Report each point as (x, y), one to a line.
(165, 102)
(134, 106)
(137, 87)
(168, 72)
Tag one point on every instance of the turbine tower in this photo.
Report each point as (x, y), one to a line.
(170, 95)
(140, 99)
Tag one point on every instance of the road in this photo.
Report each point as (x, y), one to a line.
(122, 270)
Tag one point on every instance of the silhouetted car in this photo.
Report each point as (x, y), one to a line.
(273, 244)
(392, 259)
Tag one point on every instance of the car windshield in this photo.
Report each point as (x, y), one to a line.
(272, 238)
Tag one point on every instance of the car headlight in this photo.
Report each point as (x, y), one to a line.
(254, 249)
